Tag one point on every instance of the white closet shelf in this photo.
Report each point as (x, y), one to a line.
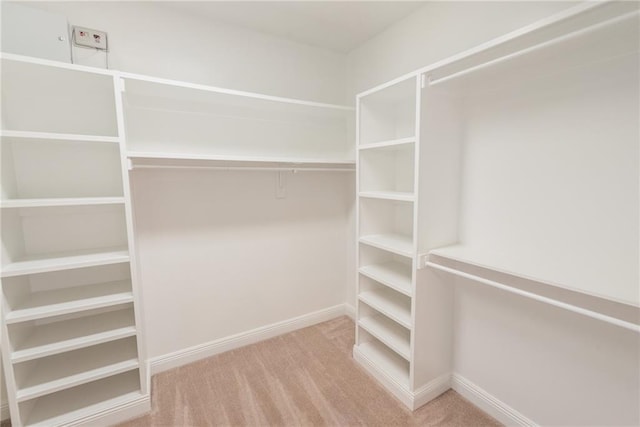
(72, 334)
(393, 274)
(400, 196)
(30, 60)
(179, 160)
(16, 135)
(65, 261)
(387, 361)
(60, 201)
(67, 370)
(393, 144)
(57, 302)
(175, 89)
(482, 266)
(75, 403)
(390, 333)
(390, 303)
(396, 243)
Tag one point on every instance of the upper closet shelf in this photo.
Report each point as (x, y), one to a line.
(179, 90)
(587, 33)
(26, 135)
(176, 160)
(513, 275)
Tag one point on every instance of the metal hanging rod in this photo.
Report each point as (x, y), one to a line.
(247, 168)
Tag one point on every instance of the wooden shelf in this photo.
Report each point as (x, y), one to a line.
(75, 403)
(399, 196)
(16, 135)
(393, 144)
(395, 275)
(149, 159)
(72, 334)
(390, 303)
(71, 300)
(390, 333)
(61, 201)
(395, 243)
(387, 361)
(63, 371)
(65, 261)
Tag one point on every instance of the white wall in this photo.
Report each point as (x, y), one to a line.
(220, 254)
(152, 38)
(554, 367)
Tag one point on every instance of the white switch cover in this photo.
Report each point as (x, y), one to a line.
(90, 38)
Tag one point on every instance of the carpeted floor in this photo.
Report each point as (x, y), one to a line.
(306, 377)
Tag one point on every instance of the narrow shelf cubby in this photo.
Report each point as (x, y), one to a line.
(45, 295)
(388, 114)
(388, 172)
(386, 268)
(35, 240)
(36, 168)
(41, 338)
(63, 406)
(48, 375)
(386, 301)
(387, 225)
(384, 359)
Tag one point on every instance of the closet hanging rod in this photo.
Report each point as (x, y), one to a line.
(540, 298)
(247, 168)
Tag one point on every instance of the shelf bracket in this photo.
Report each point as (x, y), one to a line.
(281, 185)
(121, 85)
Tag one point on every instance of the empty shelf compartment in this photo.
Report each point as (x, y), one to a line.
(393, 274)
(386, 361)
(390, 333)
(390, 303)
(54, 373)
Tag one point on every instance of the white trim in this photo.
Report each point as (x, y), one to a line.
(350, 311)
(117, 414)
(431, 390)
(55, 64)
(201, 351)
(488, 403)
(411, 399)
(215, 89)
(4, 411)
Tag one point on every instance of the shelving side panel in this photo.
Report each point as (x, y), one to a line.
(122, 121)
(432, 340)
(440, 159)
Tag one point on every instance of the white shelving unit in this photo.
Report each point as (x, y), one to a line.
(392, 340)
(71, 325)
(413, 225)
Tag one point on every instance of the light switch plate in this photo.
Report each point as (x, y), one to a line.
(90, 38)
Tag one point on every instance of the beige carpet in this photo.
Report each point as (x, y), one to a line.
(306, 377)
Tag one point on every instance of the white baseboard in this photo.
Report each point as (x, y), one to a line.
(202, 351)
(350, 311)
(431, 390)
(4, 412)
(488, 403)
(410, 399)
(115, 415)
